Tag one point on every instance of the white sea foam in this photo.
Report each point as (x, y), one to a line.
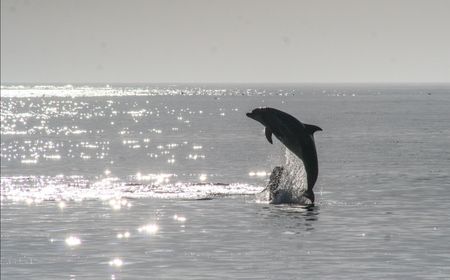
(65, 188)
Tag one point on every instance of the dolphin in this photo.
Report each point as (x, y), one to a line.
(298, 137)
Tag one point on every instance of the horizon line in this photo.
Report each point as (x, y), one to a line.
(224, 83)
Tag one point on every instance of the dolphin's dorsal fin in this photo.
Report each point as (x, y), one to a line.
(269, 135)
(311, 128)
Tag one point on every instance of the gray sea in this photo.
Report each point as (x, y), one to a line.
(162, 182)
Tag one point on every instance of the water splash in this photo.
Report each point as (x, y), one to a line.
(293, 178)
(288, 183)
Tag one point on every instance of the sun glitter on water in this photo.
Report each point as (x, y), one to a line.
(73, 241)
(149, 229)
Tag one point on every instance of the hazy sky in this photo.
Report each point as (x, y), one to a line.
(225, 41)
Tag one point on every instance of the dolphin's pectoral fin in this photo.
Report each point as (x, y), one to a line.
(311, 128)
(269, 135)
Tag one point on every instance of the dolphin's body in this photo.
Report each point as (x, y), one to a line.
(296, 136)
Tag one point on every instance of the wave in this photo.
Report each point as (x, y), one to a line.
(34, 189)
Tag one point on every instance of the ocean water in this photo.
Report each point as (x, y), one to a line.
(163, 182)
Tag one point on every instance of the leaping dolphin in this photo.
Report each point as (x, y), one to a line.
(296, 136)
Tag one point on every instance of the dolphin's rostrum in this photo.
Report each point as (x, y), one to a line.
(296, 136)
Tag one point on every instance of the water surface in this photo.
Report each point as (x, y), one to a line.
(103, 183)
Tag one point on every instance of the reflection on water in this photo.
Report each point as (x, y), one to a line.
(40, 133)
(82, 179)
(116, 262)
(294, 218)
(150, 229)
(123, 235)
(179, 218)
(36, 189)
(73, 241)
(208, 237)
(105, 145)
(62, 205)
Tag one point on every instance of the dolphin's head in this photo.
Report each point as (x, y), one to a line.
(258, 115)
(269, 117)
